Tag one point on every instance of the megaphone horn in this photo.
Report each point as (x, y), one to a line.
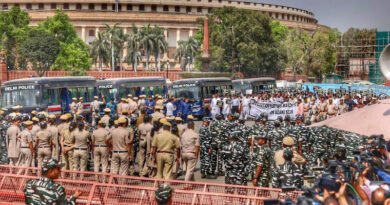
(384, 62)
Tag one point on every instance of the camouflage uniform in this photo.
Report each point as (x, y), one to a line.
(4, 125)
(318, 146)
(262, 156)
(287, 175)
(236, 158)
(216, 128)
(207, 161)
(44, 191)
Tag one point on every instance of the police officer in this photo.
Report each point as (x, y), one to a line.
(99, 147)
(73, 106)
(121, 148)
(80, 105)
(44, 191)
(13, 144)
(164, 145)
(43, 142)
(106, 117)
(157, 112)
(26, 145)
(144, 130)
(208, 157)
(67, 145)
(55, 137)
(190, 150)
(180, 125)
(288, 142)
(80, 151)
(262, 159)
(288, 174)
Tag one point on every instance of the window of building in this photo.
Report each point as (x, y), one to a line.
(91, 33)
(129, 7)
(288, 17)
(209, 10)
(53, 6)
(166, 8)
(276, 6)
(78, 6)
(91, 6)
(276, 15)
(238, 2)
(41, 6)
(282, 16)
(5, 6)
(119, 7)
(16, 5)
(177, 8)
(188, 9)
(229, 2)
(104, 6)
(199, 9)
(199, 0)
(154, 8)
(255, 4)
(247, 3)
(113, 7)
(141, 7)
(28, 6)
(219, 1)
(210, 1)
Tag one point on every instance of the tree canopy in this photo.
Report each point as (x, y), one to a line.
(41, 50)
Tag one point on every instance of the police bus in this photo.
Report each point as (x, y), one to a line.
(118, 88)
(199, 91)
(51, 94)
(255, 84)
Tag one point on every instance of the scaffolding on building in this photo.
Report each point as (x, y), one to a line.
(357, 58)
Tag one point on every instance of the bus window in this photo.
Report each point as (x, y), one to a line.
(122, 93)
(91, 93)
(82, 92)
(73, 93)
(158, 90)
(51, 97)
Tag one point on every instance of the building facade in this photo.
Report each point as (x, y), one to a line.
(178, 17)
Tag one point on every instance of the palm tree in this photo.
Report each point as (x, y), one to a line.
(100, 50)
(160, 45)
(187, 50)
(120, 43)
(133, 47)
(147, 42)
(111, 33)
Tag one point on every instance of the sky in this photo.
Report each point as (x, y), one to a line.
(343, 14)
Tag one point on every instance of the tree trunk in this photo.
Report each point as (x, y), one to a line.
(135, 63)
(100, 64)
(158, 62)
(112, 58)
(120, 62)
(147, 60)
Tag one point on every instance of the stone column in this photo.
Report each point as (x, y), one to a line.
(166, 39)
(191, 33)
(125, 50)
(177, 37)
(96, 31)
(206, 38)
(83, 33)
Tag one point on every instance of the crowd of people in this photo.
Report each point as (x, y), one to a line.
(157, 138)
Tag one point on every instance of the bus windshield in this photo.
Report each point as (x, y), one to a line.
(25, 98)
(108, 93)
(188, 92)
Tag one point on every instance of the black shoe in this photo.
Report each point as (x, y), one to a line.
(221, 174)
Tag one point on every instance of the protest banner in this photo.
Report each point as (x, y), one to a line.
(274, 109)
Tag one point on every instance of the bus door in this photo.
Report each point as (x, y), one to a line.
(65, 100)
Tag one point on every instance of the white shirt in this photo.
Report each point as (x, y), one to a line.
(214, 105)
(236, 102)
(246, 102)
(170, 109)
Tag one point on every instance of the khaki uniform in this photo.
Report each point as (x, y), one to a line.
(342, 109)
(157, 115)
(44, 138)
(306, 110)
(62, 127)
(73, 107)
(160, 103)
(323, 110)
(189, 140)
(181, 128)
(13, 144)
(316, 113)
(100, 153)
(140, 120)
(119, 108)
(132, 106)
(68, 141)
(144, 150)
(166, 143)
(332, 110)
(106, 119)
(25, 156)
(131, 162)
(125, 106)
(55, 154)
(120, 155)
(34, 132)
(279, 160)
(80, 107)
(80, 153)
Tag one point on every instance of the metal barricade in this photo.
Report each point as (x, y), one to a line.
(105, 188)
